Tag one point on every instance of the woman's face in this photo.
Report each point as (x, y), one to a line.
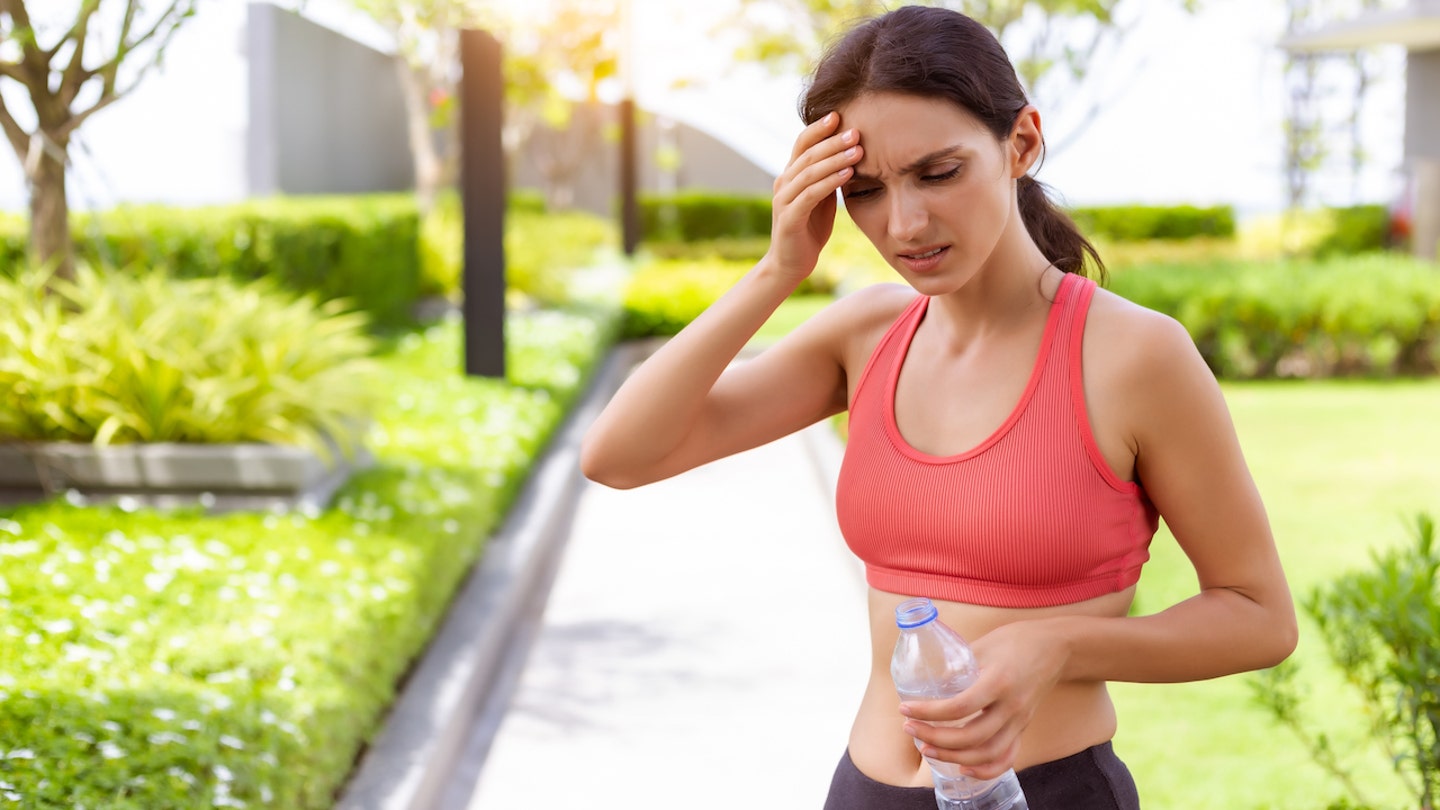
(934, 190)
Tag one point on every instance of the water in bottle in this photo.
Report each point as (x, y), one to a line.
(933, 662)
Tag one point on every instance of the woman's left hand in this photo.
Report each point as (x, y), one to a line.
(1019, 663)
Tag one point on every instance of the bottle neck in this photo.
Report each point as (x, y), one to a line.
(915, 613)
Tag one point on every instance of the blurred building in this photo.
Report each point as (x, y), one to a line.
(1417, 27)
(326, 116)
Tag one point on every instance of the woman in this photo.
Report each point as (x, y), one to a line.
(1015, 432)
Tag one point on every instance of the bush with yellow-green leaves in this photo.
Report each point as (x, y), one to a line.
(119, 358)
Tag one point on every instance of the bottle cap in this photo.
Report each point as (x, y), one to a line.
(914, 613)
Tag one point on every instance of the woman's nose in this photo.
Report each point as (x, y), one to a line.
(908, 217)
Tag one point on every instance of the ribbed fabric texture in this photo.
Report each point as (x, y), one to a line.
(1031, 517)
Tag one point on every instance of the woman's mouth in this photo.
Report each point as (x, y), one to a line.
(921, 261)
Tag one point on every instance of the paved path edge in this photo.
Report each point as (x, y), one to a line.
(409, 763)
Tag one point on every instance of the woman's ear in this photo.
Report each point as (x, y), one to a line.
(1026, 142)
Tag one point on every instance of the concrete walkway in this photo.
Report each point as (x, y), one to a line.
(703, 646)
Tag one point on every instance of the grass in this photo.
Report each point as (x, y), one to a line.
(1341, 465)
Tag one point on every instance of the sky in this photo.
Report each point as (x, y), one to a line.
(1193, 110)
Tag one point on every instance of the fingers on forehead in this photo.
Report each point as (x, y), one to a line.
(814, 134)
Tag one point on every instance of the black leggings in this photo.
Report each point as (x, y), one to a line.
(1094, 779)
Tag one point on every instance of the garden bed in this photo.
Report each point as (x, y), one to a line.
(177, 660)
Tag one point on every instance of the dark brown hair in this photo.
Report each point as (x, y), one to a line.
(937, 53)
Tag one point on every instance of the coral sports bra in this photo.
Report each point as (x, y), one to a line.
(1032, 517)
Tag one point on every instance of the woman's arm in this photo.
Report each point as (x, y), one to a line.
(1188, 458)
(682, 407)
(686, 405)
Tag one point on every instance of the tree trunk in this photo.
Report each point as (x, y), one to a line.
(428, 169)
(50, 244)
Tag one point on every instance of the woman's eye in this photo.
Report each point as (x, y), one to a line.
(942, 176)
(859, 193)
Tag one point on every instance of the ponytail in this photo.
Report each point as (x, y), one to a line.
(1055, 233)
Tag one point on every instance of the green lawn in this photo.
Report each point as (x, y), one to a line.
(1342, 466)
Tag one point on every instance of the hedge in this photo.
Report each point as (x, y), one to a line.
(1130, 223)
(372, 250)
(1375, 314)
(662, 297)
(364, 249)
(702, 215)
(1356, 229)
(542, 250)
(694, 215)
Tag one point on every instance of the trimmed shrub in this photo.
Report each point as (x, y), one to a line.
(696, 215)
(663, 297)
(364, 249)
(1371, 314)
(542, 250)
(1129, 223)
(727, 249)
(526, 201)
(1356, 229)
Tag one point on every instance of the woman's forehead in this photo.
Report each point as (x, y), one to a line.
(897, 130)
(905, 117)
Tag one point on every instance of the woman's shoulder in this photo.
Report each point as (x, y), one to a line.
(876, 302)
(863, 310)
(850, 327)
(1134, 334)
(1148, 355)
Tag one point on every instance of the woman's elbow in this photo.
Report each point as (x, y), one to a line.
(600, 467)
(1283, 637)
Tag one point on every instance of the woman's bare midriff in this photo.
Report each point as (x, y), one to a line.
(1075, 715)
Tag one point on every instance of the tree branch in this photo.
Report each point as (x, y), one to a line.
(34, 64)
(109, 70)
(18, 13)
(72, 78)
(76, 119)
(77, 30)
(17, 136)
(12, 70)
(174, 15)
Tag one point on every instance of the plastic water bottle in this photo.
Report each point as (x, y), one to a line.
(933, 662)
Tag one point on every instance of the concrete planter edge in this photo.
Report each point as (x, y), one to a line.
(244, 475)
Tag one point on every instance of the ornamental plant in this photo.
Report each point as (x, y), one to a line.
(122, 357)
(1382, 629)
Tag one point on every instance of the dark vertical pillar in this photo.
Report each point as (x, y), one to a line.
(482, 190)
(629, 171)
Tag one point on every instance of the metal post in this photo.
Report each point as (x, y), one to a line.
(482, 189)
(629, 150)
(629, 202)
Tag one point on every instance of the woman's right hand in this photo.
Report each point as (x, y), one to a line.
(803, 212)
